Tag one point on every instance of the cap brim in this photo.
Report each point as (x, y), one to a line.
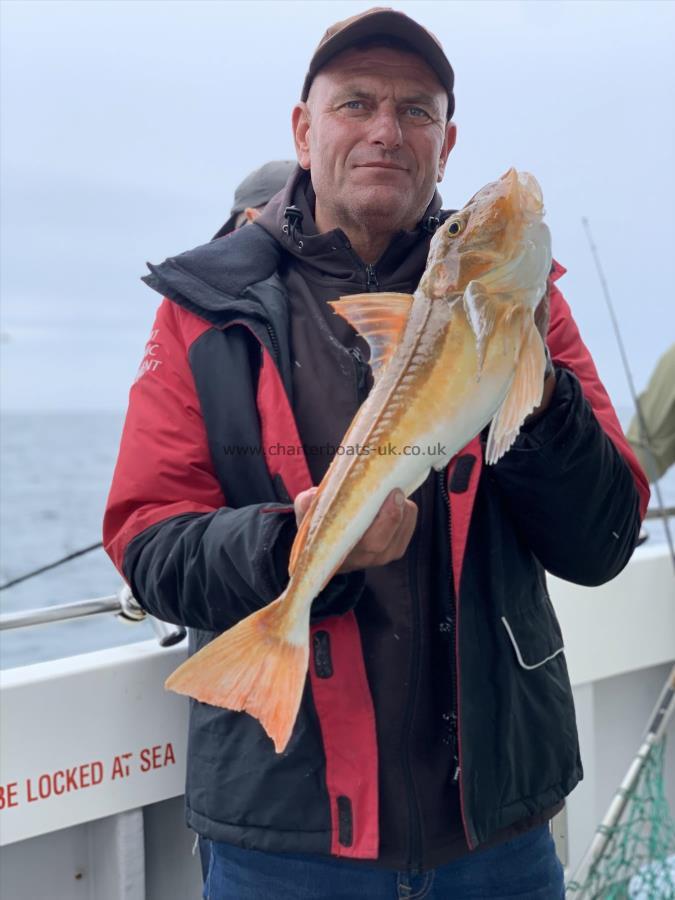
(229, 226)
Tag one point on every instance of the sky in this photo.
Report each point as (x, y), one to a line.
(125, 127)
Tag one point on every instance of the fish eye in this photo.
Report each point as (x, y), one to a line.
(454, 228)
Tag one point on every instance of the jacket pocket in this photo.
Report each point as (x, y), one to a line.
(535, 637)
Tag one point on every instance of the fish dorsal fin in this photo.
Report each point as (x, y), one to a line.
(380, 319)
(480, 310)
(525, 391)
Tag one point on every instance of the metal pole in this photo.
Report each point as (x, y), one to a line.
(631, 385)
(658, 513)
(61, 613)
(123, 603)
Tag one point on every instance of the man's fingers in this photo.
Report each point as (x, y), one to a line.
(542, 313)
(302, 503)
(385, 524)
(399, 543)
(387, 538)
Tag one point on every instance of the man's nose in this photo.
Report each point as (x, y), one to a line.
(385, 129)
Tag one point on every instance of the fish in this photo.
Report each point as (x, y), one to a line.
(460, 353)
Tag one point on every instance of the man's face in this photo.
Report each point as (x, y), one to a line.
(374, 135)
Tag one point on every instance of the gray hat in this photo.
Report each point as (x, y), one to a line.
(257, 189)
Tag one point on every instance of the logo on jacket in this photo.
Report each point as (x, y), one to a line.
(149, 363)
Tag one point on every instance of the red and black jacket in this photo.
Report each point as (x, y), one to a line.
(201, 534)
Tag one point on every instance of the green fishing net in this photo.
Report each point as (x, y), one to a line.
(638, 862)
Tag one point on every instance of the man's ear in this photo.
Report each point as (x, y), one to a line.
(300, 126)
(448, 144)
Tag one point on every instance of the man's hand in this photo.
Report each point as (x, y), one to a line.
(542, 316)
(387, 538)
(542, 313)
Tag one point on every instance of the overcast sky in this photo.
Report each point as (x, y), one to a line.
(126, 125)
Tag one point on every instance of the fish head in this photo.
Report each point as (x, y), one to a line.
(498, 238)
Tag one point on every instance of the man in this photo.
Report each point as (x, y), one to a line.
(656, 449)
(254, 193)
(436, 736)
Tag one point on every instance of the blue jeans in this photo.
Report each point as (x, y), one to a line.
(525, 868)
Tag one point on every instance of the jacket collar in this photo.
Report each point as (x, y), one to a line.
(289, 219)
(214, 279)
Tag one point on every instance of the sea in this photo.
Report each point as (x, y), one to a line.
(55, 472)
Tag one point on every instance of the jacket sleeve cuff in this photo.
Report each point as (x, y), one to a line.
(547, 426)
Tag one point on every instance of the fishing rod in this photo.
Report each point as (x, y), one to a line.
(631, 385)
(52, 565)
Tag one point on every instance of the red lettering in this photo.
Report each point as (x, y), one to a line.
(8, 797)
(156, 757)
(145, 759)
(59, 786)
(63, 781)
(44, 786)
(29, 791)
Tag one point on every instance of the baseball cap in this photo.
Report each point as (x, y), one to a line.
(257, 189)
(382, 22)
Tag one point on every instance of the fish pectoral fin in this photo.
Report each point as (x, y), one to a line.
(524, 393)
(481, 311)
(380, 319)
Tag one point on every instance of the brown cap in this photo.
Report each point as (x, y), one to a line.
(383, 22)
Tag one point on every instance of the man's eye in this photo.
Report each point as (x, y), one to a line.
(354, 104)
(416, 112)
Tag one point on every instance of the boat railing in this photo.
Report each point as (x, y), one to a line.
(123, 604)
(658, 513)
(127, 608)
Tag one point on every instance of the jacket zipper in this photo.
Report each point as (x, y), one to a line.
(454, 678)
(361, 370)
(274, 341)
(413, 807)
(448, 628)
(360, 365)
(415, 860)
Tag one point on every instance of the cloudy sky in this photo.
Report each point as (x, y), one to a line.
(126, 125)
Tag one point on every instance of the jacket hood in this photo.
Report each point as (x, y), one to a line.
(289, 219)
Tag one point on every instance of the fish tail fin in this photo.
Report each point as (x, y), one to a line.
(523, 395)
(256, 667)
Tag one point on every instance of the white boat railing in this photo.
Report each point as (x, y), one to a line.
(123, 604)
